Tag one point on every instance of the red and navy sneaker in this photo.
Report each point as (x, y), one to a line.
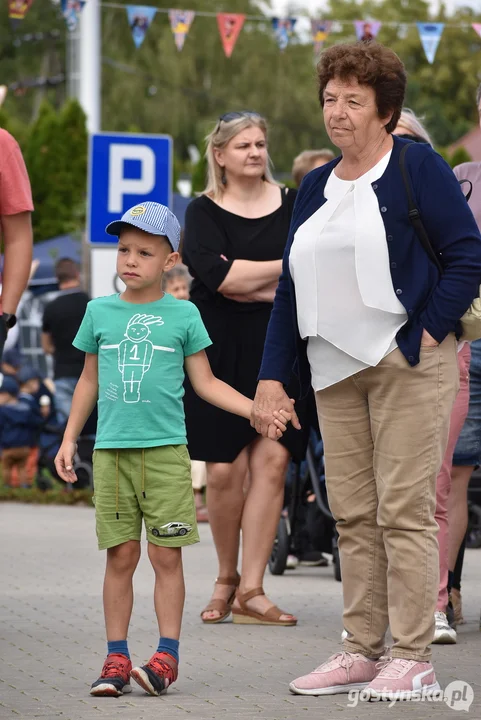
(115, 677)
(156, 676)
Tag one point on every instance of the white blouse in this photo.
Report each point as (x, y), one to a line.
(339, 262)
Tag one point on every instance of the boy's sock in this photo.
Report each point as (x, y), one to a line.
(169, 646)
(119, 647)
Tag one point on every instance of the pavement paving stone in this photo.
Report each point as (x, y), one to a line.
(52, 638)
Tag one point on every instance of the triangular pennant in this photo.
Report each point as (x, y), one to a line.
(180, 22)
(430, 35)
(477, 28)
(230, 25)
(283, 28)
(402, 31)
(140, 18)
(320, 30)
(71, 10)
(17, 9)
(366, 30)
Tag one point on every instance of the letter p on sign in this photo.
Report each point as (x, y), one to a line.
(119, 184)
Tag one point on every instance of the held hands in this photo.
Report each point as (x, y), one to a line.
(64, 461)
(272, 410)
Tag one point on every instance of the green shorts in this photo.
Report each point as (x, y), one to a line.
(153, 483)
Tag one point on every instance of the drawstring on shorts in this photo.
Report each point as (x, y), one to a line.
(143, 473)
(117, 485)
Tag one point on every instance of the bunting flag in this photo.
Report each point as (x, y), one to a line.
(320, 30)
(430, 35)
(477, 28)
(180, 22)
(230, 25)
(283, 29)
(17, 9)
(140, 18)
(366, 30)
(71, 10)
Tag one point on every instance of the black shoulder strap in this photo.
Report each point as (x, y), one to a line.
(468, 194)
(290, 195)
(414, 215)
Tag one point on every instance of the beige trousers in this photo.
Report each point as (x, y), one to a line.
(385, 430)
(199, 474)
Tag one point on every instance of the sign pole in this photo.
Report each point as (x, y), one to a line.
(90, 66)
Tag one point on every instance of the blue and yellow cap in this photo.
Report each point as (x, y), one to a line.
(151, 217)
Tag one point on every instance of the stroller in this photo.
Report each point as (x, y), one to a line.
(301, 520)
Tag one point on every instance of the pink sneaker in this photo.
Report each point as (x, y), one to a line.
(343, 672)
(403, 680)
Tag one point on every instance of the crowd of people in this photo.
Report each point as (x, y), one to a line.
(288, 309)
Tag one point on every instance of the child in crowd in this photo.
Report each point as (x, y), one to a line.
(309, 160)
(176, 282)
(20, 419)
(137, 344)
(36, 394)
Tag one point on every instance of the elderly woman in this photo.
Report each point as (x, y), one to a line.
(374, 326)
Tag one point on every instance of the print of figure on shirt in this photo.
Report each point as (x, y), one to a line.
(136, 353)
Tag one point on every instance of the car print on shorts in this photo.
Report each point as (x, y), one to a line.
(172, 529)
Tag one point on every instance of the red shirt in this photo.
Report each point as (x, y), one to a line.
(15, 191)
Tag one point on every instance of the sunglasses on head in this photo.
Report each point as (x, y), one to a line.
(236, 115)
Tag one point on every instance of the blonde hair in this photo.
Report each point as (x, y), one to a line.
(413, 125)
(221, 136)
(304, 162)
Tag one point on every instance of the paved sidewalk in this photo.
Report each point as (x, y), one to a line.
(52, 638)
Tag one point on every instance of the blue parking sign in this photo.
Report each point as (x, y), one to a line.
(124, 170)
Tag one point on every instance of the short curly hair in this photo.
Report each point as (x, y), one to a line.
(370, 64)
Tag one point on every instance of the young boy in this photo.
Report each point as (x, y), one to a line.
(176, 283)
(20, 419)
(136, 345)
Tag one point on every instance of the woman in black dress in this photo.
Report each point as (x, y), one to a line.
(235, 235)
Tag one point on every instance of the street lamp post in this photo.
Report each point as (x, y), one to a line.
(89, 81)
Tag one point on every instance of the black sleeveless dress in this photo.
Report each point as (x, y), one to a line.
(214, 238)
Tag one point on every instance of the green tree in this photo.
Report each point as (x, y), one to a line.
(43, 158)
(156, 89)
(74, 148)
(56, 157)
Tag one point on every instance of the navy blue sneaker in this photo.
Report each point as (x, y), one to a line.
(115, 677)
(156, 676)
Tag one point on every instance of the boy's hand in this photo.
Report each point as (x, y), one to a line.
(279, 427)
(64, 461)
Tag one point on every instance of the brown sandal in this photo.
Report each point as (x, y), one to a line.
(244, 616)
(223, 607)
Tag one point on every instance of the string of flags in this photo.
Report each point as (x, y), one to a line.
(230, 25)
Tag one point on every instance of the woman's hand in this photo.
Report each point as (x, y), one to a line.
(271, 397)
(427, 340)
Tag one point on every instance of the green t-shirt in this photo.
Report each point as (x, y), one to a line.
(141, 351)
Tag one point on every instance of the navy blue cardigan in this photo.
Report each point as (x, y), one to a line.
(432, 302)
